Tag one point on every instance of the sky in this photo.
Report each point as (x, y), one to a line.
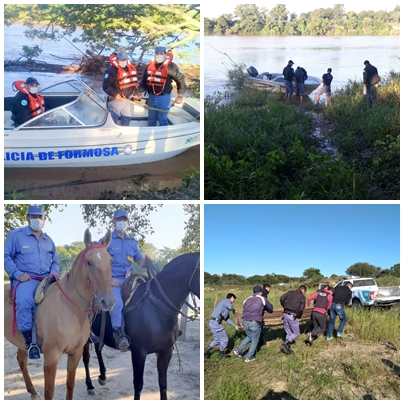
(287, 239)
(214, 10)
(69, 226)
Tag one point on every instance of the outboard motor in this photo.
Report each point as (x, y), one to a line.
(252, 71)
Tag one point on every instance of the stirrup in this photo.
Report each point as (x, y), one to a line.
(34, 352)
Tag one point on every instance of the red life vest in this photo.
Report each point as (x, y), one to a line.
(157, 77)
(36, 104)
(126, 79)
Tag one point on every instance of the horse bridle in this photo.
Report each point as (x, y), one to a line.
(88, 280)
(171, 306)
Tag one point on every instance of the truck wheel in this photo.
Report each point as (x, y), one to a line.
(356, 304)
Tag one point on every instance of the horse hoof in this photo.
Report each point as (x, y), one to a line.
(36, 396)
(91, 392)
(102, 382)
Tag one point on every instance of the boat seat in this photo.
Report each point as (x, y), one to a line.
(9, 124)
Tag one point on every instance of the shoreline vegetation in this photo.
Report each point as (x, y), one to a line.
(257, 147)
(249, 19)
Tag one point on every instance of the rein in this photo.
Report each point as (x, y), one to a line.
(172, 308)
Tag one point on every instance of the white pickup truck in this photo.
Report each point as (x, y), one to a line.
(365, 292)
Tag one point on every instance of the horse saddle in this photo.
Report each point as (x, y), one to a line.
(43, 288)
(129, 287)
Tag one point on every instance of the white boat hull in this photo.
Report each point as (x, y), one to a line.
(277, 83)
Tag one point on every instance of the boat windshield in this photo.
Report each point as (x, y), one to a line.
(88, 109)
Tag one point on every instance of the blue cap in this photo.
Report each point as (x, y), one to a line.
(122, 55)
(120, 213)
(31, 80)
(257, 289)
(160, 49)
(36, 210)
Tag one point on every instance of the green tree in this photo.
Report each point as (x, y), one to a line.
(104, 27)
(192, 239)
(363, 269)
(312, 273)
(15, 216)
(139, 222)
(279, 12)
(251, 20)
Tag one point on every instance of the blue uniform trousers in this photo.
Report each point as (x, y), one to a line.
(116, 312)
(24, 300)
(162, 102)
(219, 334)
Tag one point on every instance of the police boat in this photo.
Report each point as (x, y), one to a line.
(76, 130)
(274, 82)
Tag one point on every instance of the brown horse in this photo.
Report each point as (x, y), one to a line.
(62, 318)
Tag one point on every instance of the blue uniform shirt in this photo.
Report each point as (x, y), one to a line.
(224, 308)
(24, 253)
(123, 252)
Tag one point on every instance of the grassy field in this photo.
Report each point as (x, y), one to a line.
(365, 364)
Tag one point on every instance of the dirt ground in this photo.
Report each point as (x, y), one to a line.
(136, 181)
(183, 384)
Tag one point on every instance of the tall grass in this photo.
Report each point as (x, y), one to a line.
(365, 364)
(258, 147)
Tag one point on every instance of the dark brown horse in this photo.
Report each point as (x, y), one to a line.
(62, 318)
(151, 319)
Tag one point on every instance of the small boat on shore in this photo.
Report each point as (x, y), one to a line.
(274, 82)
(76, 130)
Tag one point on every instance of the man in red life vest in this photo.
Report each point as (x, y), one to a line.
(157, 79)
(120, 82)
(27, 103)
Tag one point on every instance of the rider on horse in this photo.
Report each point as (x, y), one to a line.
(124, 249)
(29, 253)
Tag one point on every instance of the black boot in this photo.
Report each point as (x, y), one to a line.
(206, 353)
(121, 339)
(32, 349)
(285, 347)
(223, 355)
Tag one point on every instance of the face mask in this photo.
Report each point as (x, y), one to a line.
(36, 224)
(160, 58)
(33, 90)
(123, 64)
(121, 226)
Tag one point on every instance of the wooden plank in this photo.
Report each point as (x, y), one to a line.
(275, 318)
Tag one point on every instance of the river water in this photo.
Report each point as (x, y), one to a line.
(61, 52)
(345, 55)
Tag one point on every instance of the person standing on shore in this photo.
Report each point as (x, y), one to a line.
(368, 72)
(299, 75)
(289, 78)
(326, 88)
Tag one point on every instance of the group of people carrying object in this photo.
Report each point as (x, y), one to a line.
(120, 83)
(293, 303)
(370, 78)
(29, 253)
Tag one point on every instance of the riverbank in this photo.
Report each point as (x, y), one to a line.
(257, 147)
